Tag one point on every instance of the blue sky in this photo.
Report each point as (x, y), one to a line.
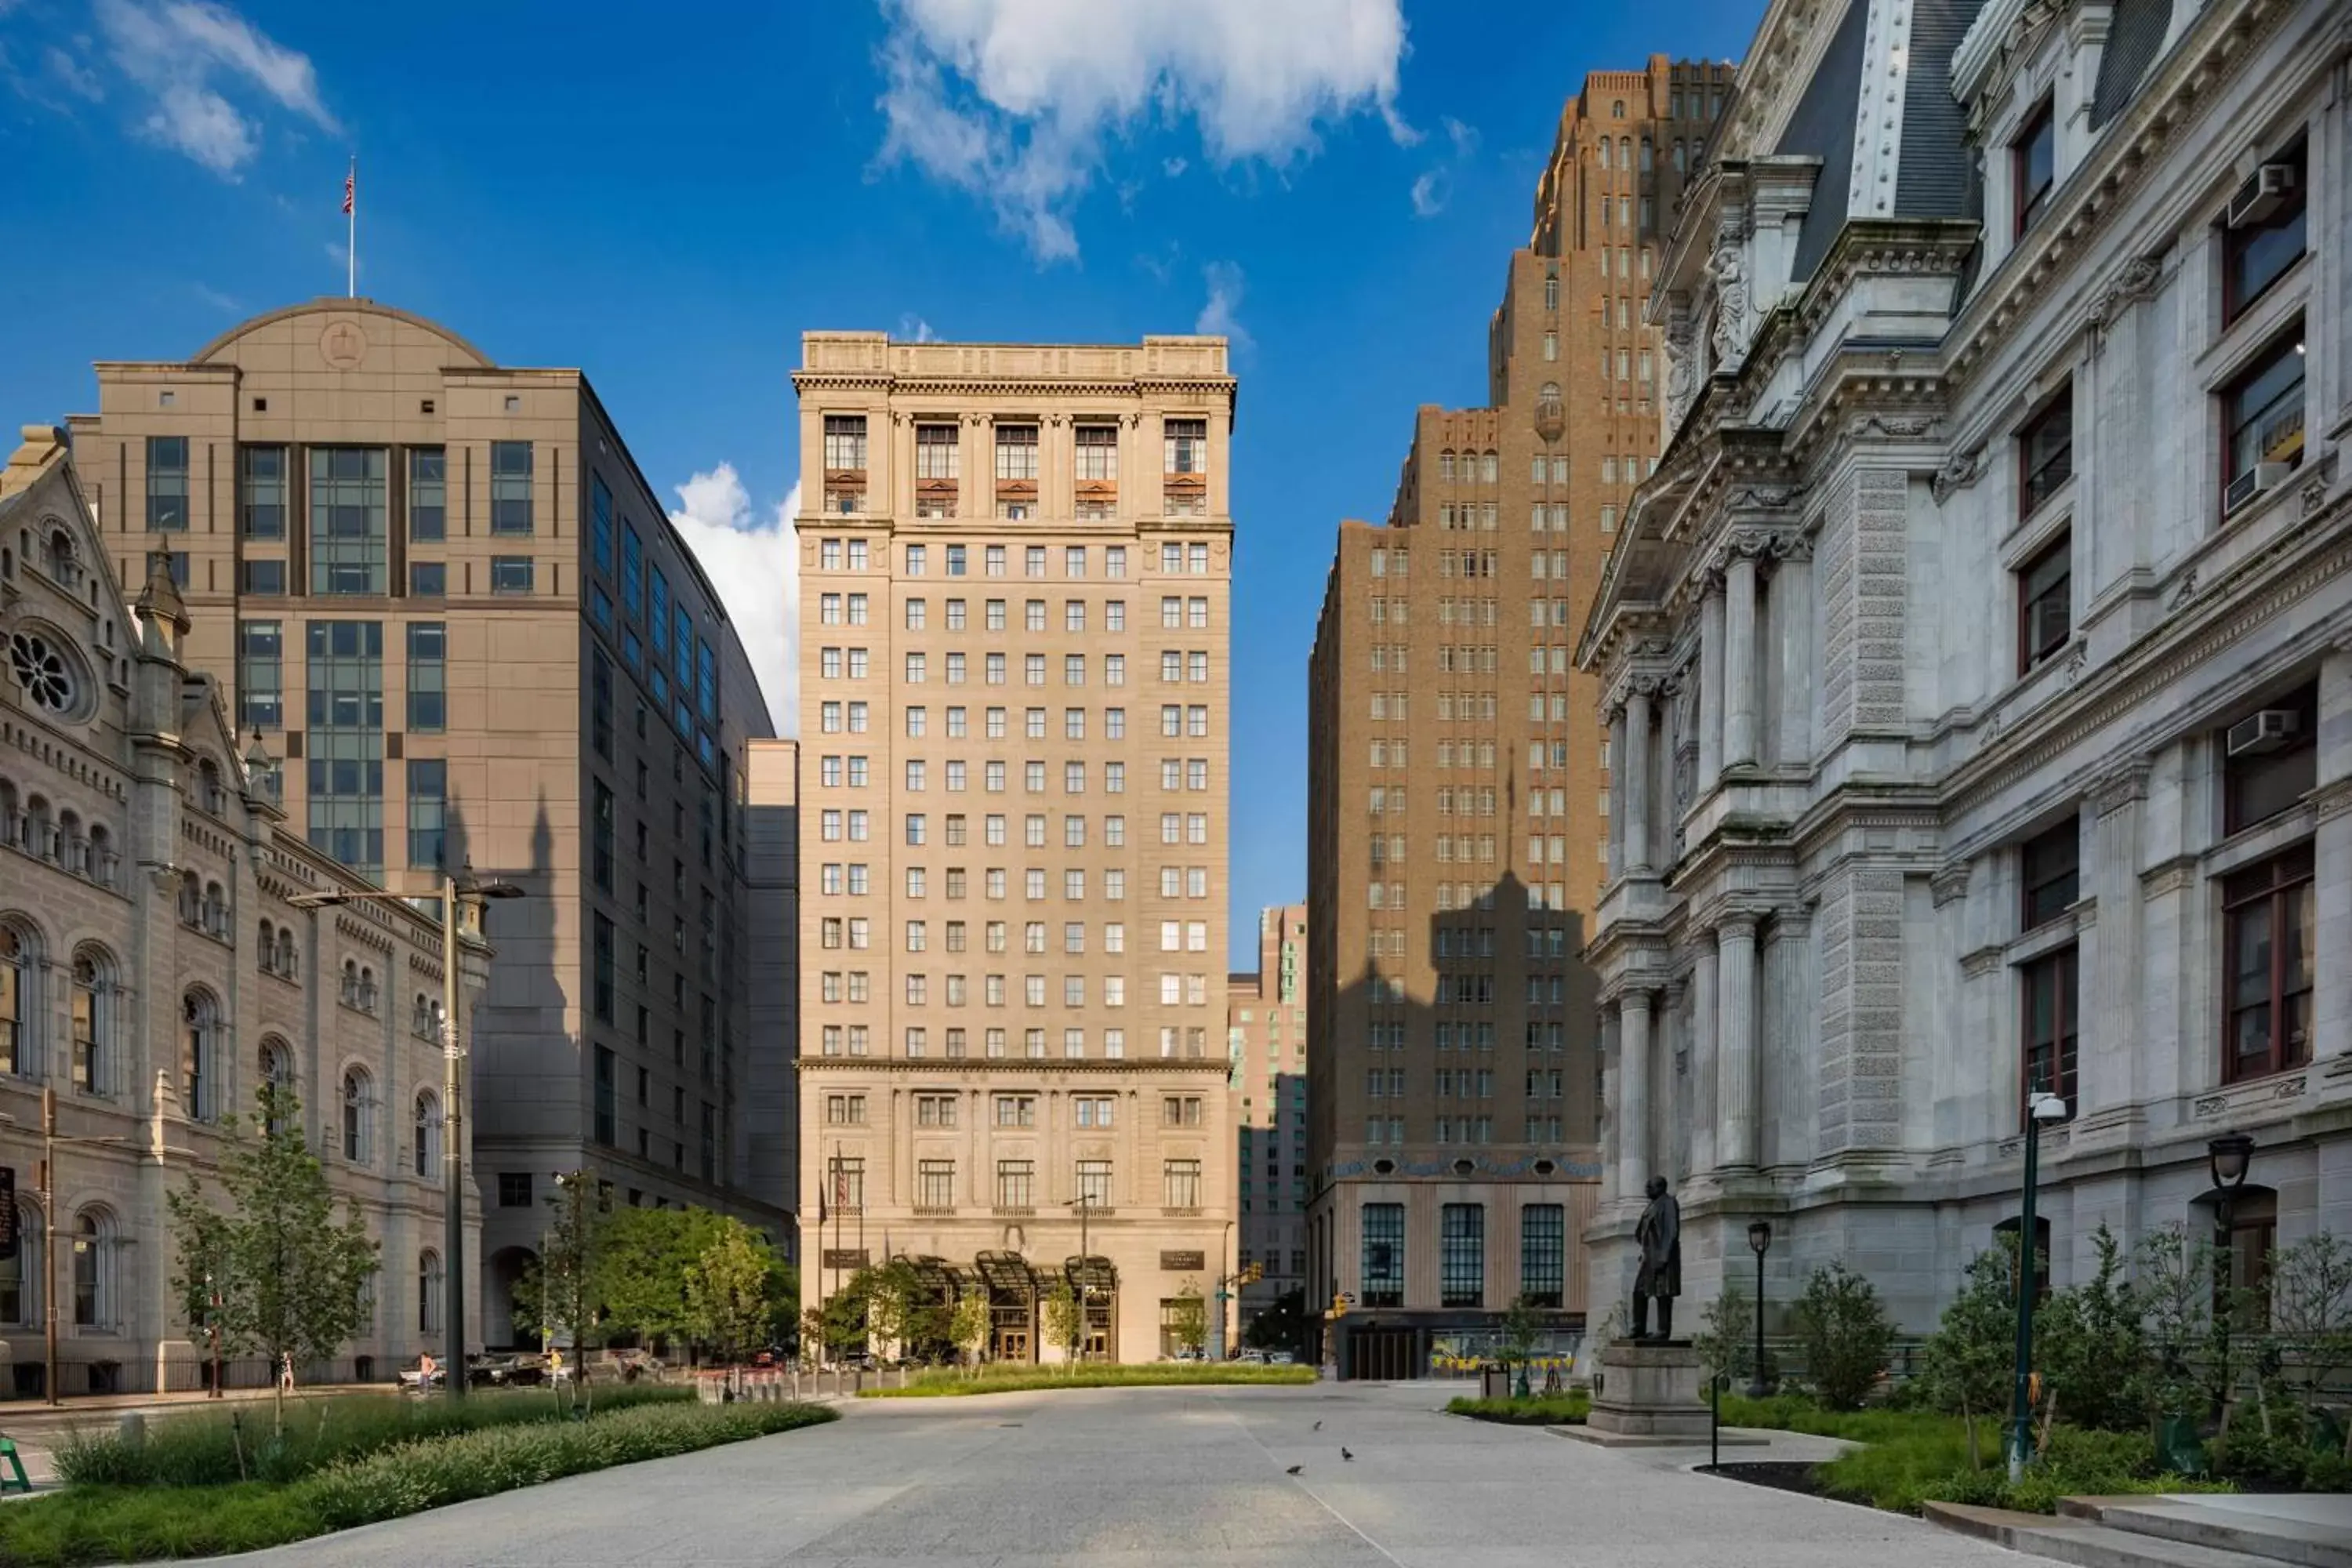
(669, 198)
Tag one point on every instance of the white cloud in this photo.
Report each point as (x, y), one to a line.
(754, 562)
(1431, 192)
(72, 75)
(190, 55)
(913, 328)
(1463, 137)
(1017, 99)
(1221, 314)
(1173, 167)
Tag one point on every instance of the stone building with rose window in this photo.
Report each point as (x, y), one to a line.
(1979, 657)
(153, 975)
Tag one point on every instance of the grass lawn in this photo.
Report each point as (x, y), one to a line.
(132, 1522)
(1537, 1410)
(947, 1382)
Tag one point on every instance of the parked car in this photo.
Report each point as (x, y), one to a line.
(1253, 1357)
(1281, 1358)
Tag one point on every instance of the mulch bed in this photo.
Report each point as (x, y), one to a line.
(1782, 1475)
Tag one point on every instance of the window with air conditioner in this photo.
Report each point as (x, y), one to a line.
(2262, 418)
(2262, 230)
(2270, 758)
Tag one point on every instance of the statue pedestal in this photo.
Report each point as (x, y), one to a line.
(1650, 1396)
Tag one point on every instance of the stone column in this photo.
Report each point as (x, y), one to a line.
(1740, 663)
(1704, 1027)
(1608, 1121)
(1735, 1113)
(1787, 1045)
(1617, 859)
(2110, 1037)
(1710, 691)
(1633, 1093)
(1637, 785)
(1792, 614)
(2332, 859)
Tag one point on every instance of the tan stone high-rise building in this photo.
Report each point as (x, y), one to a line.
(1458, 775)
(444, 594)
(1015, 570)
(1265, 1016)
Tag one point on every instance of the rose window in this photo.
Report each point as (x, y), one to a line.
(41, 669)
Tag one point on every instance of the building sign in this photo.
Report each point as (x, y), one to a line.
(845, 1258)
(1178, 1262)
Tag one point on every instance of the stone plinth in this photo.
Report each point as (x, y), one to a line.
(1649, 1394)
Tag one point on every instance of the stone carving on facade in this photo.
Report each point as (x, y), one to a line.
(1729, 338)
(2136, 281)
(2126, 785)
(1959, 473)
(2315, 488)
(2186, 592)
(1682, 370)
(1949, 883)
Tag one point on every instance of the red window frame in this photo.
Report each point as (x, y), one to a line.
(2258, 904)
(2028, 203)
(2062, 1048)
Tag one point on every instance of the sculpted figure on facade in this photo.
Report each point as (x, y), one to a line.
(1730, 339)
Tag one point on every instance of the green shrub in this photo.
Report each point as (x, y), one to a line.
(89, 1524)
(1540, 1410)
(202, 1448)
(1847, 1335)
(1901, 1471)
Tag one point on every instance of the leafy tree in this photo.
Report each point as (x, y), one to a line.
(1064, 1324)
(2311, 1313)
(967, 1325)
(2091, 1347)
(275, 1272)
(1846, 1334)
(556, 1293)
(639, 1277)
(893, 1303)
(727, 1298)
(783, 1297)
(1725, 1340)
(1524, 1327)
(1968, 1365)
(841, 1322)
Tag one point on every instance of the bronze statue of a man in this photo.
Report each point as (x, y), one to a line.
(1659, 1233)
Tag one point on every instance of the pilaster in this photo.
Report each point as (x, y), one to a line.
(1705, 1015)
(1710, 690)
(1739, 661)
(1633, 1065)
(1736, 1052)
(1792, 619)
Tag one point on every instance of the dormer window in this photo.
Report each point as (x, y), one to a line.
(2033, 163)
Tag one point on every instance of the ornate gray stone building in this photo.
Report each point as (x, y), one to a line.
(1978, 661)
(153, 973)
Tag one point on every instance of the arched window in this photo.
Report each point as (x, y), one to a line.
(367, 1300)
(351, 991)
(93, 1021)
(429, 1293)
(358, 1123)
(200, 1025)
(420, 1016)
(20, 1276)
(215, 910)
(11, 821)
(277, 1070)
(20, 998)
(1617, 110)
(265, 944)
(1646, 156)
(428, 1134)
(1682, 155)
(286, 960)
(208, 785)
(101, 855)
(73, 849)
(367, 989)
(40, 836)
(93, 1269)
(61, 559)
(1604, 152)
(192, 900)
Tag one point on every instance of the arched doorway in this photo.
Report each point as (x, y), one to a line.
(505, 1268)
(1013, 1289)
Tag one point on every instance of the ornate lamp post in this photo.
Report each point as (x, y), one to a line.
(2040, 1108)
(1759, 1242)
(2228, 1158)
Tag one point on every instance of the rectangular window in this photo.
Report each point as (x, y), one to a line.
(935, 1184)
(511, 475)
(1097, 453)
(1383, 1255)
(348, 551)
(2263, 230)
(430, 580)
(262, 579)
(167, 483)
(1016, 453)
(1543, 1254)
(2263, 417)
(602, 983)
(2270, 758)
(261, 491)
(2051, 1027)
(2045, 603)
(2051, 867)
(428, 676)
(429, 501)
(937, 452)
(428, 803)
(1181, 1184)
(2034, 165)
(1015, 1183)
(1461, 1255)
(260, 675)
(633, 560)
(511, 574)
(343, 669)
(2045, 452)
(600, 522)
(2268, 959)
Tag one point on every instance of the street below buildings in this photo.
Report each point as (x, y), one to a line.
(1152, 1476)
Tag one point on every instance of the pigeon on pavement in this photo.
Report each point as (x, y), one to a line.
(1318, 1425)
(1345, 1455)
(1294, 1469)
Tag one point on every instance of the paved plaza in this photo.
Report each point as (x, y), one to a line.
(1147, 1477)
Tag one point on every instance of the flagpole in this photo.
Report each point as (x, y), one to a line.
(352, 234)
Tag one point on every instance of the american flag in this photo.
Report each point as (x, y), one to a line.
(351, 191)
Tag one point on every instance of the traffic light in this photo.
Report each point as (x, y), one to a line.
(1338, 1303)
(1253, 1273)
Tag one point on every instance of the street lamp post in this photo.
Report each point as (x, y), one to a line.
(2228, 1158)
(471, 893)
(1084, 1203)
(50, 1139)
(2040, 1108)
(1759, 1242)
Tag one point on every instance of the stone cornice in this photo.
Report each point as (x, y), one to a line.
(1003, 1071)
(2125, 786)
(2216, 49)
